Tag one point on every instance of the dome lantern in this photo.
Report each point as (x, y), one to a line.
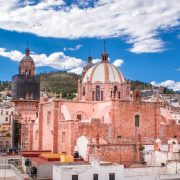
(104, 55)
(27, 51)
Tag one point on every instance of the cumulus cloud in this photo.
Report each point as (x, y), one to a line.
(118, 62)
(77, 47)
(95, 61)
(169, 84)
(56, 60)
(139, 22)
(77, 70)
(13, 54)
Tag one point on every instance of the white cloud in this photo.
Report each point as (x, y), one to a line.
(77, 47)
(178, 69)
(118, 62)
(77, 70)
(56, 60)
(95, 61)
(13, 55)
(139, 21)
(169, 84)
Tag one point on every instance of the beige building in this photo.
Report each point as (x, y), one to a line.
(6, 113)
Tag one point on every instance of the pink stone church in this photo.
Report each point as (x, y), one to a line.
(106, 121)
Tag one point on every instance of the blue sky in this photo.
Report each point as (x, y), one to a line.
(142, 37)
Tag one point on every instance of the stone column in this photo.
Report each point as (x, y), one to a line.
(40, 137)
(55, 126)
(30, 137)
(157, 119)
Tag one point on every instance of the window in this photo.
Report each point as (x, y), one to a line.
(115, 91)
(97, 93)
(93, 95)
(6, 119)
(84, 92)
(1, 112)
(137, 120)
(26, 72)
(101, 95)
(6, 112)
(95, 176)
(79, 116)
(111, 176)
(74, 177)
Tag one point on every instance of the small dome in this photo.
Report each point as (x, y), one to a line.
(103, 72)
(27, 57)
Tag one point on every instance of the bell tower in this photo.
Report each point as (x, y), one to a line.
(25, 85)
(25, 95)
(27, 66)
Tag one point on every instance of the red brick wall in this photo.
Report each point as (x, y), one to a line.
(124, 119)
(124, 154)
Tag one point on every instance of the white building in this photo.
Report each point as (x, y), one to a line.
(176, 117)
(94, 171)
(6, 114)
(110, 171)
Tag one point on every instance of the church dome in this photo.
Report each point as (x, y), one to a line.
(27, 57)
(103, 72)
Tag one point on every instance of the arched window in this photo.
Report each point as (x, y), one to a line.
(101, 95)
(115, 90)
(97, 93)
(137, 120)
(93, 95)
(84, 92)
(26, 72)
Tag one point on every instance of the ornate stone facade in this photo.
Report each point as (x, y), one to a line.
(106, 121)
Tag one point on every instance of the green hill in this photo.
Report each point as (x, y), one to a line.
(66, 83)
(60, 82)
(139, 85)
